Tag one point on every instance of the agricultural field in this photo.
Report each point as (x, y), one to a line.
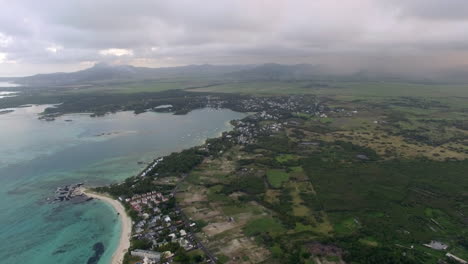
(148, 86)
(342, 89)
(224, 217)
(363, 182)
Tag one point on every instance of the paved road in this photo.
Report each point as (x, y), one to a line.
(197, 241)
(199, 244)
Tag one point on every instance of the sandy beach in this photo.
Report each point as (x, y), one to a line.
(126, 233)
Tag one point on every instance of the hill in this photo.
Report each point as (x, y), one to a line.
(105, 73)
(102, 72)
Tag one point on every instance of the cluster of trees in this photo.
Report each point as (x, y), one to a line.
(216, 146)
(100, 104)
(357, 253)
(181, 162)
(350, 150)
(277, 144)
(174, 164)
(132, 186)
(186, 160)
(250, 184)
(143, 244)
(180, 255)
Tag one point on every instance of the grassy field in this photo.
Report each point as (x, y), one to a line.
(277, 177)
(342, 89)
(139, 86)
(229, 222)
(264, 225)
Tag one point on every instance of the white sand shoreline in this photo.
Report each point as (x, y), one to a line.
(126, 232)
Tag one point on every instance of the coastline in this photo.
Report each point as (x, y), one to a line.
(125, 233)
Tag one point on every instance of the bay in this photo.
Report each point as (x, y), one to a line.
(37, 156)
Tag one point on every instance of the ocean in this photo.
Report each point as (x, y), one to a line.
(38, 156)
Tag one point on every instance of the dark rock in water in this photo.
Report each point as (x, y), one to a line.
(59, 251)
(63, 249)
(80, 199)
(98, 251)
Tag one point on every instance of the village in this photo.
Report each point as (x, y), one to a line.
(161, 223)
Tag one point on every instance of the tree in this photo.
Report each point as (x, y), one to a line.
(181, 256)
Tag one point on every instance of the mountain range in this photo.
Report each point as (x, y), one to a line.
(102, 72)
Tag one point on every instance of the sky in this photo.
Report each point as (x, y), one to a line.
(345, 35)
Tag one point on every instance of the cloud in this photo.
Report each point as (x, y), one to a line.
(348, 34)
(54, 48)
(116, 52)
(4, 59)
(5, 40)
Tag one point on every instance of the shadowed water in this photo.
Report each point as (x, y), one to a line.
(37, 156)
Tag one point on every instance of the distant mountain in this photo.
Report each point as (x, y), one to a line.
(99, 72)
(103, 72)
(273, 71)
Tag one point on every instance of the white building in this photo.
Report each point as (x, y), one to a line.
(436, 245)
(151, 255)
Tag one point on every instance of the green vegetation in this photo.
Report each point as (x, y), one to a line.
(302, 228)
(346, 227)
(341, 88)
(283, 158)
(263, 225)
(277, 177)
(364, 181)
(367, 176)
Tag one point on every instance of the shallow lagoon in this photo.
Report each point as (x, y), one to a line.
(37, 156)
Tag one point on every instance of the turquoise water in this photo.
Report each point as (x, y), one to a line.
(38, 156)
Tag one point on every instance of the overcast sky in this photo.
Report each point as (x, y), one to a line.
(38, 36)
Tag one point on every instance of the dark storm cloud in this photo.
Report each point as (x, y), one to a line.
(51, 35)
